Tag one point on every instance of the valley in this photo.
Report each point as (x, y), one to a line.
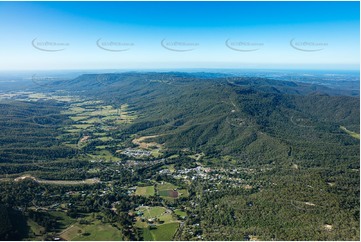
(190, 157)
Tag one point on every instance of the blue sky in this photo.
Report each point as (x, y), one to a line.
(141, 35)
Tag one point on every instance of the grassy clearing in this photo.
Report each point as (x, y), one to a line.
(180, 213)
(167, 218)
(63, 219)
(145, 145)
(164, 232)
(196, 156)
(35, 228)
(152, 212)
(183, 193)
(71, 232)
(72, 130)
(145, 191)
(81, 126)
(92, 120)
(78, 118)
(76, 110)
(124, 114)
(352, 134)
(156, 153)
(100, 134)
(105, 139)
(94, 170)
(99, 231)
(167, 191)
(87, 114)
(147, 235)
(103, 155)
(94, 231)
(140, 224)
(171, 168)
(166, 186)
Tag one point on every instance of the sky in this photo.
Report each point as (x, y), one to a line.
(156, 35)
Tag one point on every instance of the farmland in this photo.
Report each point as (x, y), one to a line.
(95, 230)
(170, 191)
(164, 232)
(145, 191)
(162, 226)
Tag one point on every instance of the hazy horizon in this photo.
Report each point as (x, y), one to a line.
(179, 35)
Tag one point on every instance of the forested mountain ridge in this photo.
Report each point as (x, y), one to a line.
(252, 158)
(226, 114)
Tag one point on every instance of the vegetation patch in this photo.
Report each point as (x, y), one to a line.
(180, 213)
(92, 230)
(152, 212)
(164, 232)
(168, 193)
(145, 191)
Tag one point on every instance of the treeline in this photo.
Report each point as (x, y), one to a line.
(12, 224)
(29, 131)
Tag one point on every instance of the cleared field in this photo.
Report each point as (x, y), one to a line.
(145, 145)
(140, 224)
(91, 120)
(75, 110)
(152, 212)
(96, 231)
(147, 235)
(124, 115)
(168, 217)
(63, 219)
(94, 170)
(103, 155)
(168, 193)
(145, 191)
(93, 112)
(99, 134)
(71, 232)
(104, 139)
(166, 186)
(173, 157)
(164, 232)
(180, 213)
(73, 130)
(196, 156)
(78, 118)
(81, 126)
(156, 153)
(171, 167)
(183, 193)
(99, 232)
(35, 228)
